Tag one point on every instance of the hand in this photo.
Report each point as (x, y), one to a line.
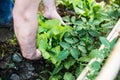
(38, 54)
(33, 56)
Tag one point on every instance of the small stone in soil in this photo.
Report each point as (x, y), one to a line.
(17, 57)
(14, 77)
(3, 65)
(26, 71)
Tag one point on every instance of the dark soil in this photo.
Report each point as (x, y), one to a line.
(6, 33)
(13, 66)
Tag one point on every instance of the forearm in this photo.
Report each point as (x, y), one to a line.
(26, 34)
(25, 26)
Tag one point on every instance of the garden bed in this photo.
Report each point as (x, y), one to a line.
(67, 49)
(112, 35)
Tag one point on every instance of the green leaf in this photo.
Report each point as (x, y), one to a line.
(55, 31)
(73, 19)
(70, 40)
(75, 2)
(82, 32)
(78, 70)
(53, 59)
(96, 65)
(62, 55)
(52, 23)
(66, 18)
(84, 59)
(96, 8)
(74, 52)
(96, 53)
(75, 40)
(68, 76)
(82, 43)
(84, 19)
(82, 49)
(109, 24)
(57, 69)
(41, 29)
(67, 34)
(93, 33)
(105, 42)
(64, 45)
(45, 54)
(112, 43)
(96, 22)
(56, 77)
(56, 49)
(79, 11)
(42, 41)
(69, 62)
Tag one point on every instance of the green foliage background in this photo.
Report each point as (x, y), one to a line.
(68, 49)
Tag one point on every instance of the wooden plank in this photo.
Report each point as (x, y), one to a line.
(112, 65)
